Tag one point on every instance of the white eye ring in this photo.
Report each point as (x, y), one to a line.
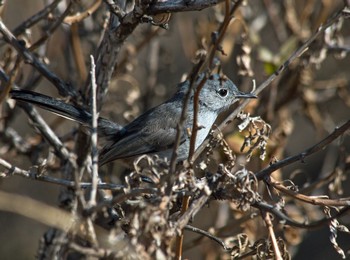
(223, 92)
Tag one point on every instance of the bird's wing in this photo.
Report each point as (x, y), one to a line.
(152, 132)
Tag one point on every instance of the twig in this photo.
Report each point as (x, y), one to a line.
(94, 124)
(277, 73)
(172, 167)
(82, 15)
(120, 198)
(46, 132)
(288, 221)
(223, 28)
(10, 80)
(195, 126)
(209, 63)
(193, 209)
(180, 6)
(48, 32)
(179, 128)
(209, 235)
(116, 33)
(283, 67)
(78, 52)
(274, 243)
(312, 200)
(38, 176)
(63, 88)
(180, 238)
(35, 18)
(16, 140)
(100, 253)
(301, 156)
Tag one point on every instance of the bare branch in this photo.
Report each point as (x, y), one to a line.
(301, 156)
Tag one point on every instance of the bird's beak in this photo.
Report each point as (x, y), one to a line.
(245, 95)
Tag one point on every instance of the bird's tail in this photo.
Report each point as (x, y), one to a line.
(106, 127)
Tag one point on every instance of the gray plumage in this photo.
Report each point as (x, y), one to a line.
(154, 131)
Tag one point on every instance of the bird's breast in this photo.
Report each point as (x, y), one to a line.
(205, 123)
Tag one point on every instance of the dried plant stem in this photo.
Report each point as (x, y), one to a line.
(269, 225)
(38, 176)
(82, 15)
(35, 18)
(208, 62)
(94, 124)
(277, 73)
(63, 88)
(301, 156)
(180, 238)
(311, 199)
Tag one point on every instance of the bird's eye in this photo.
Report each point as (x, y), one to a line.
(223, 92)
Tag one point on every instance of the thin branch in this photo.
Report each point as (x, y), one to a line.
(268, 222)
(16, 140)
(299, 52)
(94, 124)
(47, 133)
(311, 199)
(195, 127)
(121, 198)
(35, 18)
(82, 15)
(180, 238)
(209, 235)
(63, 88)
(116, 33)
(288, 221)
(78, 52)
(301, 156)
(215, 46)
(193, 209)
(48, 32)
(39, 176)
(94, 252)
(180, 6)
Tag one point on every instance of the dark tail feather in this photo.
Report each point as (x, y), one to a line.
(106, 128)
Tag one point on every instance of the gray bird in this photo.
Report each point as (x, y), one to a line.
(153, 132)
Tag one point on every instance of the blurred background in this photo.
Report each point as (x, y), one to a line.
(303, 105)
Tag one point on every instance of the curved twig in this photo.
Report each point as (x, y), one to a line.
(301, 156)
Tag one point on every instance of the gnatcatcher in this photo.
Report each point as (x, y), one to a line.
(154, 131)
